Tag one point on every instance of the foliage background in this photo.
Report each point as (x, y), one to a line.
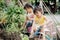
(12, 16)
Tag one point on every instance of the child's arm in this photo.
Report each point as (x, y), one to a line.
(25, 22)
(48, 21)
(33, 26)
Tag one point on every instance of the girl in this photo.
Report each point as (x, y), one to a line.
(29, 17)
(39, 21)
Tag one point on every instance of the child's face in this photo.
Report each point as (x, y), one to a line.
(38, 14)
(29, 10)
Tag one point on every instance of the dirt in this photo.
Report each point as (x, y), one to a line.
(12, 36)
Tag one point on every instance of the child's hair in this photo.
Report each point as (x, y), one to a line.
(28, 6)
(36, 9)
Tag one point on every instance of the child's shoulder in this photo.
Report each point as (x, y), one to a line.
(43, 16)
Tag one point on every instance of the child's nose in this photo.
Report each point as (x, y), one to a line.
(37, 14)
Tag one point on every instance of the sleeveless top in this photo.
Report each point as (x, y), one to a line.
(39, 21)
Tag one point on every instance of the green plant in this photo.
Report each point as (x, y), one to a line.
(12, 15)
(15, 16)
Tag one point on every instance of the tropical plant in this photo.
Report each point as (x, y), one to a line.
(12, 16)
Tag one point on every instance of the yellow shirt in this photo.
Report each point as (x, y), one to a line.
(40, 21)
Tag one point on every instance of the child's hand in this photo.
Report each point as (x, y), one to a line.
(42, 25)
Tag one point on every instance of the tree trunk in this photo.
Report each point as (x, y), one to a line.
(48, 1)
(35, 2)
(21, 2)
(54, 1)
(25, 0)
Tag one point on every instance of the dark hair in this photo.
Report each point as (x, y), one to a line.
(36, 9)
(28, 6)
